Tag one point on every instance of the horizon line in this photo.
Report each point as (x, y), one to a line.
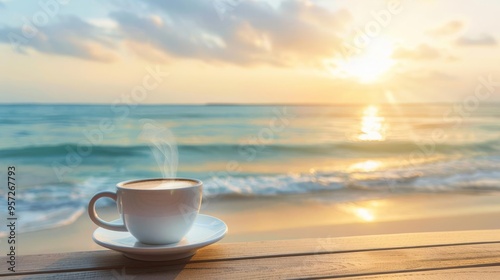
(225, 104)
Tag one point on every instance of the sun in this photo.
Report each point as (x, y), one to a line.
(368, 66)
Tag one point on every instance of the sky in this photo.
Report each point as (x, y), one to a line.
(244, 51)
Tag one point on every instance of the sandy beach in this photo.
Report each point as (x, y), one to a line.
(299, 216)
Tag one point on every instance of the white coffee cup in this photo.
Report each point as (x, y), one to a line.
(155, 211)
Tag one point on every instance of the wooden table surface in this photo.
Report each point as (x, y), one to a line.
(445, 255)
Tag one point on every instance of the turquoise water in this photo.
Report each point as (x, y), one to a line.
(65, 153)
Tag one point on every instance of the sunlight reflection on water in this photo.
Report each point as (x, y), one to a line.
(372, 125)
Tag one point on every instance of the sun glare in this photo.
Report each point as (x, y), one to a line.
(365, 214)
(372, 125)
(366, 166)
(368, 66)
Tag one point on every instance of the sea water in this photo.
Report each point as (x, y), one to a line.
(63, 154)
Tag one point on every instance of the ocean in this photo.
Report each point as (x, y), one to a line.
(63, 154)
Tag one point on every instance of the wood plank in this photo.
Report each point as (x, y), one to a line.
(478, 273)
(107, 259)
(484, 273)
(363, 263)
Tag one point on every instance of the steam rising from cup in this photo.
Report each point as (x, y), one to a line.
(163, 146)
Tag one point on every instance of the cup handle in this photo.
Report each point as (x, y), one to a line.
(96, 219)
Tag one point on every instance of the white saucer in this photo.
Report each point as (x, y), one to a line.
(205, 231)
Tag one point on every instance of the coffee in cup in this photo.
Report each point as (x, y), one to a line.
(155, 211)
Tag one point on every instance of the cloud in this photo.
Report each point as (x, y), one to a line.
(454, 27)
(426, 75)
(422, 52)
(448, 29)
(69, 36)
(432, 80)
(440, 76)
(481, 40)
(251, 32)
